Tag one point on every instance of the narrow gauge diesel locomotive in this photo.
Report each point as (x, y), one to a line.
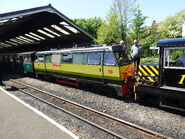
(107, 66)
(166, 82)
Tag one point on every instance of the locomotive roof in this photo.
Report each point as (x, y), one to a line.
(77, 50)
(25, 53)
(171, 42)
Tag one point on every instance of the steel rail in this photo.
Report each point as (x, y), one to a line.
(68, 112)
(129, 125)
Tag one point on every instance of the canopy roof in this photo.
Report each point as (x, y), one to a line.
(39, 28)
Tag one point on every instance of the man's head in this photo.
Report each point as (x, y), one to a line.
(121, 42)
(136, 41)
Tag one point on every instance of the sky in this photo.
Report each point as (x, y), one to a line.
(157, 10)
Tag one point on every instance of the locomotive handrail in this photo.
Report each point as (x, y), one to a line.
(148, 81)
(148, 76)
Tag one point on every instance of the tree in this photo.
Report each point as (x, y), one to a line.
(125, 10)
(148, 35)
(108, 32)
(137, 28)
(90, 25)
(169, 28)
(117, 23)
(149, 38)
(172, 26)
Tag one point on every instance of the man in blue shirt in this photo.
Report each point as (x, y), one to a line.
(136, 53)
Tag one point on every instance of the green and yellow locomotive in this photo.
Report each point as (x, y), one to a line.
(108, 66)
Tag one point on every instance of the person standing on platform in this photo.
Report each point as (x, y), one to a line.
(136, 54)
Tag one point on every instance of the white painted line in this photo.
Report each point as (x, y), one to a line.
(41, 114)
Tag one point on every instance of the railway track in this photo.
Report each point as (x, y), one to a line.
(115, 127)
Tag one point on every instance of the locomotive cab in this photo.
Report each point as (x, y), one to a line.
(170, 90)
(173, 66)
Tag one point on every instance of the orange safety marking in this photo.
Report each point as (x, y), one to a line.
(56, 65)
(110, 71)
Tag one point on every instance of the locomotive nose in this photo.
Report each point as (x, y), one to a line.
(127, 72)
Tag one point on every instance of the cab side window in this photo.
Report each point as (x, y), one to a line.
(109, 59)
(94, 59)
(67, 58)
(79, 58)
(174, 58)
(48, 58)
(40, 58)
(55, 58)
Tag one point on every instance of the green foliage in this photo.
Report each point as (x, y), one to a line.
(117, 23)
(172, 26)
(90, 25)
(125, 9)
(147, 35)
(137, 26)
(108, 32)
(169, 28)
(175, 54)
(124, 23)
(152, 59)
(150, 38)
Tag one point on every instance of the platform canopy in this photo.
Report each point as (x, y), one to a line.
(40, 28)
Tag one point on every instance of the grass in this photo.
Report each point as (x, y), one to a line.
(153, 59)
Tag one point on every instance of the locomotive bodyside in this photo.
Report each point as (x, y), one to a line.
(97, 65)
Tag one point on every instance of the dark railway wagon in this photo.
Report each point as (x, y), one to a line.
(12, 62)
(169, 88)
(28, 60)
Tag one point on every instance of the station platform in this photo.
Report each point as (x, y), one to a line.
(19, 120)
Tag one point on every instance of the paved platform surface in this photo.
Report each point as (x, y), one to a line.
(19, 121)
